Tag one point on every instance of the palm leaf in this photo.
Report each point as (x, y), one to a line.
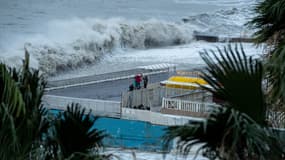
(10, 94)
(276, 75)
(236, 79)
(269, 24)
(269, 21)
(227, 134)
(74, 123)
(8, 136)
(22, 115)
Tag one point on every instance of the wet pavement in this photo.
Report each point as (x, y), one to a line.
(108, 90)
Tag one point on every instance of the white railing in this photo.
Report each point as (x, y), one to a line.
(189, 73)
(150, 97)
(98, 107)
(188, 106)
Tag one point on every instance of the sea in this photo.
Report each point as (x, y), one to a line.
(73, 38)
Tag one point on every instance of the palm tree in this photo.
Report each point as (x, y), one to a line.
(22, 117)
(269, 23)
(237, 80)
(227, 134)
(235, 131)
(25, 130)
(75, 135)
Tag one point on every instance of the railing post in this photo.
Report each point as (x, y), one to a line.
(197, 107)
(163, 103)
(121, 105)
(179, 104)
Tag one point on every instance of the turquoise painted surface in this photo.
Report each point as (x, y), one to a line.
(129, 133)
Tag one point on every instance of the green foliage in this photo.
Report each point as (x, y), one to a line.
(227, 134)
(22, 122)
(10, 93)
(269, 21)
(237, 80)
(237, 129)
(74, 133)
(25, 132)
(275, 68)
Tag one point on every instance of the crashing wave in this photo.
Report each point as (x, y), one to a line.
(76, 42)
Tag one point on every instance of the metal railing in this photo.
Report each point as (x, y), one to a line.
(189, 106)
(195, 95)
(189, 73)
(150, 97)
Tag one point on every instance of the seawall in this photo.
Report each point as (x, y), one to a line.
(214, 38)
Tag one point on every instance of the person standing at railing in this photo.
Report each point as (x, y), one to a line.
(138, 79)
(131, 87)
(145, 81)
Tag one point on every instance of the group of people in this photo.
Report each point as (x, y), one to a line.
(137, 82)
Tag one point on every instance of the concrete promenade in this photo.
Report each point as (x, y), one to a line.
(98, 77)
(105, 89)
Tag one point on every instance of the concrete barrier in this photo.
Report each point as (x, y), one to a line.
(98, 107)
(156, 118)
(214, 38)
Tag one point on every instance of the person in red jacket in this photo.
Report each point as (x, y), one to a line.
(138, 79)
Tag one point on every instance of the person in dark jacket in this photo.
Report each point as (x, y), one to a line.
(131, 87)
(145, 81)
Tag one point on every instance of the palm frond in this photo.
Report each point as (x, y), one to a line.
(227, 134)
(269, 21)
(236, 79)
(22, 115)
(276, 74)
(74, 123)
(8, 135)
(10, 94)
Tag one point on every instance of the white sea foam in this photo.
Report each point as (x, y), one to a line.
(70, 43)
(184, 56)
